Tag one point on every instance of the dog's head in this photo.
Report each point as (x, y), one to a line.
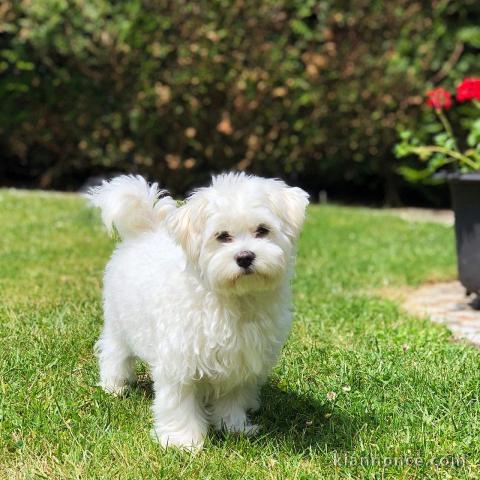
(239, 233)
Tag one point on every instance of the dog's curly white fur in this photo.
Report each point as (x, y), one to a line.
(201, 293)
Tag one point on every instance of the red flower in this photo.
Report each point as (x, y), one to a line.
(469, 89)
(439, 98)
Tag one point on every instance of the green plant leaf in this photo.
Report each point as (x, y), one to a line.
(470, 35)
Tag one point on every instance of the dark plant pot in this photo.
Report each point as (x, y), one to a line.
(465, 191)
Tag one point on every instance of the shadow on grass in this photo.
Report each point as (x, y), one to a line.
(144, 385)
(298, 423)
(303, 424)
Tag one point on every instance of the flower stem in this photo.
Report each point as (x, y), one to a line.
(451, 153)
(446, 124)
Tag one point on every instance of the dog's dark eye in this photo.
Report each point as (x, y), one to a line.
(224, 237)
(261, 231)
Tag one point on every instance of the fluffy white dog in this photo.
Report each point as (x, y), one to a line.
(201, 293)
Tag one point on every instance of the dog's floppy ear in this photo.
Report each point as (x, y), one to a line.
(187, 224)
(289, 204)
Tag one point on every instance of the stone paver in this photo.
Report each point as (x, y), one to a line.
(446, 303)
(444, 217)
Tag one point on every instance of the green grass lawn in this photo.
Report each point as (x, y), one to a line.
(402, 389)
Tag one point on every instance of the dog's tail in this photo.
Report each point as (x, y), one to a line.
(131, 205)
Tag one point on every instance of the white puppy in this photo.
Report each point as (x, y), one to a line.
(201, 293)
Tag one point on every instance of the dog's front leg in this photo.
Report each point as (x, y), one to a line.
(229, 411)
(179, 418)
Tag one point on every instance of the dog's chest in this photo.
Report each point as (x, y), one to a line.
(240, 344)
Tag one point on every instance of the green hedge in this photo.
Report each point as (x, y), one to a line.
(312, 91)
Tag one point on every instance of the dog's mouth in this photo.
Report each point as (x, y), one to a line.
(247, 271)
(249, 280)
(250, 272)
(244, 272)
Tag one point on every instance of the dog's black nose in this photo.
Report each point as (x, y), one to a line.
(245, 259)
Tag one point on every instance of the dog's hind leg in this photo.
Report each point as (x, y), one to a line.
(229, 412)
(251, 395)
(117, 364)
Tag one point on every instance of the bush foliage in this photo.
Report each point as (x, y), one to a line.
(307, 90)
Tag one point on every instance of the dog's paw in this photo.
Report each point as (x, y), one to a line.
(114, 388)
(247, 429)
(188, 441)
(240, 428)
(251, 430)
